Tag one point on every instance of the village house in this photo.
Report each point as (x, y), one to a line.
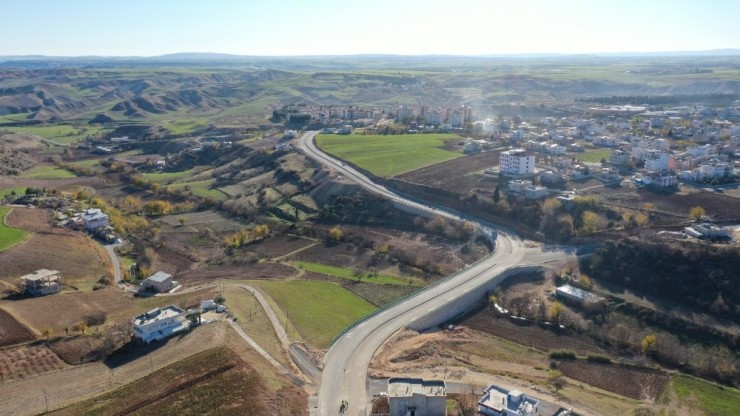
(416, 397)
(93, 218)
(527, 189)
(41, 282)
(160, 323)
(159, 282)
(499, 401)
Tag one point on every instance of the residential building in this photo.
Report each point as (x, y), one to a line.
(577, 295)
(416, 397)
(606, 141)
(551, 178)
(41, 282)
(527, 189)
(516, 162)
(662, 180)
(715, 170)
(499, 401)
(656, 161)
(704, 150)
(709, 231)
(404, 112)
(619, 158)
(160, 282)
(160, 323)
(94, 218)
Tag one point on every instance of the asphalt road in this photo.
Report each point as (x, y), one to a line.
(345, 365)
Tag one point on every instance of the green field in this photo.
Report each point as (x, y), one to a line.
(388, 155)
(710, 398)
(203, 189)
(595, 156)
(47, 172)
(9, 236)
(7, 191)
(350, 274)
(60, 133)
(318, 310)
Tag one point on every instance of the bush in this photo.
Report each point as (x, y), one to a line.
(96, 318)
(563, 355)
(600, 359)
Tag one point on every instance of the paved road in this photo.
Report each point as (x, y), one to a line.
(345, 365)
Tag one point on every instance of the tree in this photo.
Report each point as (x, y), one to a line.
(336, 234)
(82, 327)
(182, 221)
(47, 333)
(556, 311)
(558, 383)
(648, 343)
(696, 213)
(591, 223)
(496, 195)
(219, 300)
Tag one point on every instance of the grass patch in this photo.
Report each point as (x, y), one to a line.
(9, 236)
(47, 172)
(203, 189)
(709, 398)
(388, 155)
(61, 133)
(354, 275)
(595, 156)
(318, 310)
(168, 177)
(7, 191)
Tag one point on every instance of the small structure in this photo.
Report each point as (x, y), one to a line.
(159, 282)
(41, 282)
(709, 231)
(527, 189)
(160, 323)
(577, 295)
(416, 397)
(94, 218)
(499, 401)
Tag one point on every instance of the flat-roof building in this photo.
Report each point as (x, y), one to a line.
(575, 294)
(159, 282)
(160, 323)
(499, 401)
(416, 397)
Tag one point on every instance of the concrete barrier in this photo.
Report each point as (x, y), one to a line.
(465, 303)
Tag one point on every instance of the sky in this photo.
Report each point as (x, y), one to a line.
(333, 27)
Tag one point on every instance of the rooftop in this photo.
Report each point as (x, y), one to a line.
(158, 314)
(159, 277)
(579, 293)
(42, 274)
(407, 387)
(499, 398)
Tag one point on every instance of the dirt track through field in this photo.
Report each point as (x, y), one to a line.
(30, 396)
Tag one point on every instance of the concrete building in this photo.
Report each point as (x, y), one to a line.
(715, 170)
(656, 161)
(527, 189)
(160, 323)
(516, 162)
(709, 231)
(160, 282)
(416, 397)
(499, 401)
(41, 282)
(94, 218)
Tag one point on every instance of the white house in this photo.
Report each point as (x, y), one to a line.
(414, 396)
(499, 401)
(159, 282)
(715, 170)
(94, 218)
(516, 162)
(527, 189)
(160, 323)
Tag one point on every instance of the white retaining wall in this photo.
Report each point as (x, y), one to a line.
(466, 302)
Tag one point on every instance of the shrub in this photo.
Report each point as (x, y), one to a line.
(600, 359)
(563, 355)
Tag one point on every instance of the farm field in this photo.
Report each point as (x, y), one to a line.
(318, 310)
(9, 236)
(457, 175)
(12, 331)
(21, 362)
(202, 188)
(350, 274)
(633, 382)
(212, 382)
(59, 133)
(47, 172)
(388, 155)
(67, 386)
(701, 397)
(7, 191)
(169, 177)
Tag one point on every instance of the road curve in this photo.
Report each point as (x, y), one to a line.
(345, 365)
